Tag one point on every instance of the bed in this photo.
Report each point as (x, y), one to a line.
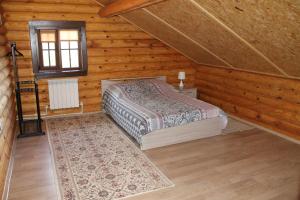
(155, 115)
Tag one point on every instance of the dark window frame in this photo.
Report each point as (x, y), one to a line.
(37, 60)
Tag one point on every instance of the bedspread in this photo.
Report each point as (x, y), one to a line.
(142, 106)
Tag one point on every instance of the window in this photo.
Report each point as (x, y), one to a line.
(58, 48)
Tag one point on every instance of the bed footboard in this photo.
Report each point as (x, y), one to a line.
(188, 132)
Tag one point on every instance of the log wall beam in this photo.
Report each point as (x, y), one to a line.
(7, 110)
(268, 101)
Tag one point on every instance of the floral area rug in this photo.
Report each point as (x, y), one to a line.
(95, 160)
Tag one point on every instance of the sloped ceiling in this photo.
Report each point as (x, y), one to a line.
(261, 36)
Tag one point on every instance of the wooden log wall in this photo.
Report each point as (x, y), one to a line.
(7, 110)
(116, 49)
(269, 101)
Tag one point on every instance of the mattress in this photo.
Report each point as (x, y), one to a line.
(143, 106)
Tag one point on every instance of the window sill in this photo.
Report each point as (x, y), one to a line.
(49, 74)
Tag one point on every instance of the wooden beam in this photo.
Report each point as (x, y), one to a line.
(122, 6)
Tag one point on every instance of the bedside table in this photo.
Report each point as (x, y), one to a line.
(192, 92)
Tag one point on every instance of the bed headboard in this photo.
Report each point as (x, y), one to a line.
(106, 83)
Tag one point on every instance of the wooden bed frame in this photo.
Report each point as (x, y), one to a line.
(174, 135)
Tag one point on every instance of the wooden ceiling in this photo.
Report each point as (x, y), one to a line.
(259, 36)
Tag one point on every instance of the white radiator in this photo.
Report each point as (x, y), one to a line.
(63, 93)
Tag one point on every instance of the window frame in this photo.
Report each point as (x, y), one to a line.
(37, 55)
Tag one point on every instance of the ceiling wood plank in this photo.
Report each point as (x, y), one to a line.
(123, 6)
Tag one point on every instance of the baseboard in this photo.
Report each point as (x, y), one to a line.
(10, 170)
(70, 115)
(266, 129)
(28, 117)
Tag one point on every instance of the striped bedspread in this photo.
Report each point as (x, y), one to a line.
(142, 106)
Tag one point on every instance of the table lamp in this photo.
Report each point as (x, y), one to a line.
(181, 77)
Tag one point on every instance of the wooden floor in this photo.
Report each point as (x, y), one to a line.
(246, 165)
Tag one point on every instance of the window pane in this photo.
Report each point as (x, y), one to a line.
(65, 58)
(52, 58)
(68, 34)
(45, 45)
(47, 35)
(51, 45)
(74, 58)
(64, 45)
(74, 45)
(46, 58)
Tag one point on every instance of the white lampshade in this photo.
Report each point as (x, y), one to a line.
(181, 75)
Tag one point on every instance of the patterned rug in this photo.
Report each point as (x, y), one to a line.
(95, 160)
